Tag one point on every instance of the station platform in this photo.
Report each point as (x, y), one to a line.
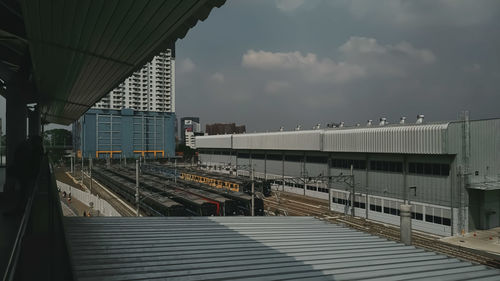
(248, 248)
(482, 240)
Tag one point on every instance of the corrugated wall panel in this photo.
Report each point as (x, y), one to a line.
(415, 139)
(219, 141)
(258, 165)
(274, 167)
(297, 140)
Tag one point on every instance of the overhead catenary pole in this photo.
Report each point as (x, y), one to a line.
(82, 167)
(137, 186)
(253, 192)
(353, 193)
(329, 187)
(1, 159)
(90, 173)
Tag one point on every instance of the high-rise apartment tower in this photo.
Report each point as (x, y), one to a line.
(150, 89)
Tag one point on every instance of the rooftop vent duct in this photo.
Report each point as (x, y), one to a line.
(402, 120)
(383, 121)
(369, 123)
(420, 119)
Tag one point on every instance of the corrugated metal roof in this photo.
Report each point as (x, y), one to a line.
(417, 139)
(249, 248)
(81, 50)
(296, 140)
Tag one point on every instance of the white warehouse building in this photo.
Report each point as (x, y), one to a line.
(450, 171)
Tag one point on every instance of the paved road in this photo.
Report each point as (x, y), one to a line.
(67, 212)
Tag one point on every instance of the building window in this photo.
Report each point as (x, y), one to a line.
(276, 157)
(386, 166)
(294, 158)
(346, 164)
(258, 156)
(432, 169)
(317, 159)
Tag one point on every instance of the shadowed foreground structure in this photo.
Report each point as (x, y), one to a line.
(250, 248)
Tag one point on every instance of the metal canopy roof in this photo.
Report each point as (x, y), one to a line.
(248, 248)
(81, 50)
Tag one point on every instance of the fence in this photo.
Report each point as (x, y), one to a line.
(104, 208)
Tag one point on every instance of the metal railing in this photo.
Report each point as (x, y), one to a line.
(39, 251)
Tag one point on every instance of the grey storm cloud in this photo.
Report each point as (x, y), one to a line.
(268, 64)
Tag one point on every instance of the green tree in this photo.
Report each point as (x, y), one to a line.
(57, 142)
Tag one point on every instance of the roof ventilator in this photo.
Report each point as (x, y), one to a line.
(383, 121)
(420, 119)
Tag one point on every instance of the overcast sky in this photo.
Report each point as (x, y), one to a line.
(268, 64)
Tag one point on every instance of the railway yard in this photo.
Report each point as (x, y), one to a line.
(164, 196)
(210, 194)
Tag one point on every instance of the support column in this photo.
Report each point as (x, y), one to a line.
(15, 131)
(34, 122)
(405, 226)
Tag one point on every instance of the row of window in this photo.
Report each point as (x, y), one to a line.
(435, 169)
(394, 211)
(346, 164)
(301, 186)
(429, 169)
(386, 166)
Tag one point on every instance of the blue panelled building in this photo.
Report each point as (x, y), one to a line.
(107, 133)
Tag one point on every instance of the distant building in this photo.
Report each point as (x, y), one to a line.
(221, 129)
(105, 133)
(151, 88)
(450, 170)
(136, 118)
(189, 124)
(191, 138)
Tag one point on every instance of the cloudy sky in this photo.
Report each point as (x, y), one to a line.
(268, 64)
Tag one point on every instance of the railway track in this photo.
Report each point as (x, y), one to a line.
(117, 204)
(292, 205)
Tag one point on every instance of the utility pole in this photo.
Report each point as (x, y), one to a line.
(353, 193)
(90, 173)
(137, 186)
(82, 167)
(175, 170)
(1, 159)
(253, 192)
(329, 187)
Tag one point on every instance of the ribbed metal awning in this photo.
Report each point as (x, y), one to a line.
(248, 248)
(486, 186)
(81, 50)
